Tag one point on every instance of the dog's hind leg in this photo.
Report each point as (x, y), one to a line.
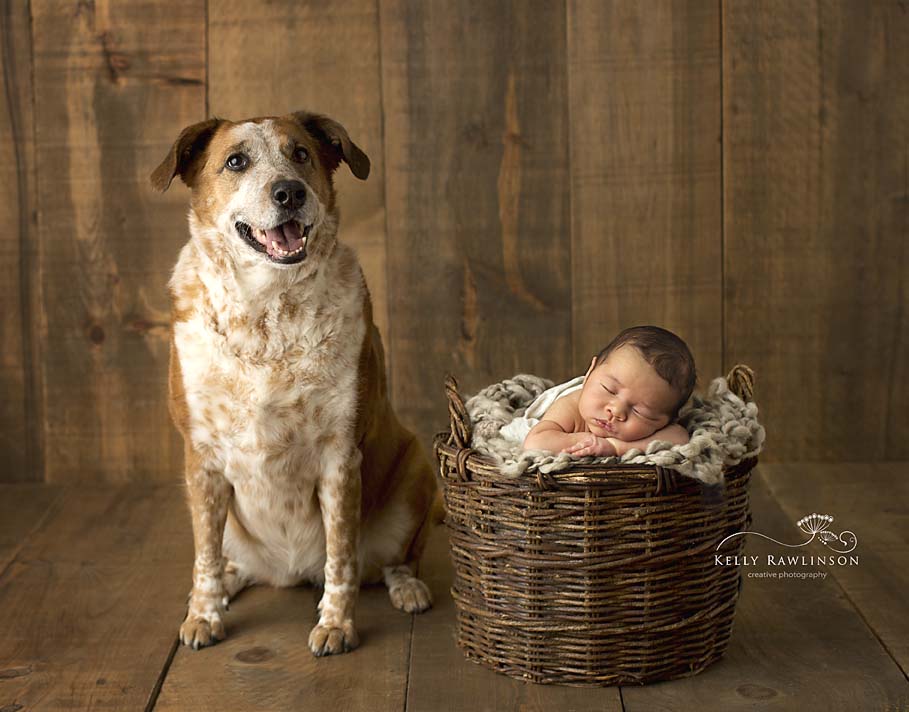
(236, 579)
(406, 591)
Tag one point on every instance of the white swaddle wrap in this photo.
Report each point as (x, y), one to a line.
(520, 427)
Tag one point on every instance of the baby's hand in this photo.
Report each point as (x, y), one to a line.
(590, 444)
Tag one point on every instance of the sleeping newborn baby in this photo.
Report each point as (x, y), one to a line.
(630, 396)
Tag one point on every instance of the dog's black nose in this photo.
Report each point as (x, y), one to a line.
(289, 194)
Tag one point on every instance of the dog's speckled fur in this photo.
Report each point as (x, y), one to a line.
(296, 466)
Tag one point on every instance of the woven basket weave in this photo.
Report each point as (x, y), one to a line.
(598, 575)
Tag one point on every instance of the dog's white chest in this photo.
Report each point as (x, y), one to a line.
(268, 396)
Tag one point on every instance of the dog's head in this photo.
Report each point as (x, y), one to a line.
(263, 187)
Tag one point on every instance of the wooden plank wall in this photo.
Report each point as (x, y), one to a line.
(645, 174)
(816, 165)
(112, 83)
(544, 174)
(476, 127)
(20, 420)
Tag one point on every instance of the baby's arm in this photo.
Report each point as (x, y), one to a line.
(674, 433)
(555, 432)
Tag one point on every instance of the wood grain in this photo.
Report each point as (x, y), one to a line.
(872, 501)
(441, 678)
(476, 136)
(644, 101)
(265, 662)
(816, 133)
(91, 606)
(285, 56)
(21, 422)
(796, 644)
(114, 82)
(23, 507)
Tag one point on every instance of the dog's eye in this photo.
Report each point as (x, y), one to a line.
(300, 154)
(236, 162)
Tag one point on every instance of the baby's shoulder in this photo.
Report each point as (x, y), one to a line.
(566, 413)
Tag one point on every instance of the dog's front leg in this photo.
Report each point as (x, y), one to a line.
(339, 499)
(209, 496)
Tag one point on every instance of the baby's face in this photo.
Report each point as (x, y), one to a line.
(625, 398)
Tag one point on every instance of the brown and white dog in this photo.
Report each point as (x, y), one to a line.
(296, 467)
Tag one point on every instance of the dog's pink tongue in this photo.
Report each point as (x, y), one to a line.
(286, 236)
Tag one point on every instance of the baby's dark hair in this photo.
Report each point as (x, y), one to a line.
(666, 352)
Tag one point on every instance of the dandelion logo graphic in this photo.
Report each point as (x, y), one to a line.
(816, 527)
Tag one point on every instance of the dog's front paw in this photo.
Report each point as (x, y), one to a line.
(198, 631)
(327, 639)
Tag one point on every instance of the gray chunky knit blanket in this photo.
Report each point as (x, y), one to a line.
(724, 430)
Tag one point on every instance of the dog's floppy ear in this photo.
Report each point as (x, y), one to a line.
(186, 149)
(338, 146)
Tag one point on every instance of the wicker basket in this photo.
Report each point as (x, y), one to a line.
(599, 575)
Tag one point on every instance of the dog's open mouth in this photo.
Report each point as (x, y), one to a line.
(284, 243)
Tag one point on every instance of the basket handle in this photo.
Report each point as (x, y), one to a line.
(741, 382)
(460, 422)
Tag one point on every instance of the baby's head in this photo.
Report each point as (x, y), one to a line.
(637, 384)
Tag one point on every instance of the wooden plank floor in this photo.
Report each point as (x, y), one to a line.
(93, 584)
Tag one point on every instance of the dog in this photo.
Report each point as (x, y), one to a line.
(297, 469)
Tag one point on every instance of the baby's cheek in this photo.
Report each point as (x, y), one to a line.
(641, 431)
